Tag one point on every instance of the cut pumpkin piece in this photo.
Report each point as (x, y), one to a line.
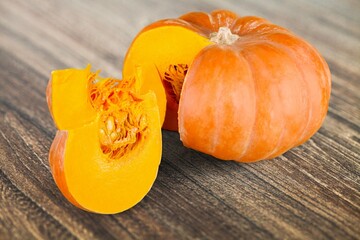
(166, 49)
(108, 161)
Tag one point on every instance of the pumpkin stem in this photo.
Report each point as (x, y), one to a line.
(224, 36)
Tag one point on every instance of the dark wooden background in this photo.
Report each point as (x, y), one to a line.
(311, 192)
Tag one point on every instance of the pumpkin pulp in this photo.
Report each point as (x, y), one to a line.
(173, 80)
(122, 123)
(109, 162)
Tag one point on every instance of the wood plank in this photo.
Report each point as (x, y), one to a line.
(311, 192)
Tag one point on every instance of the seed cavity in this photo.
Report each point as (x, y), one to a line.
(123, 124)
(173, 79)
(119, 134)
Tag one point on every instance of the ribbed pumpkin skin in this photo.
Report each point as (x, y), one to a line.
(256, 98)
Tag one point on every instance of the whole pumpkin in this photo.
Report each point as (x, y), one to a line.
(255, 92)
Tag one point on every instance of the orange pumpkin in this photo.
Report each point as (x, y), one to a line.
(252, 89)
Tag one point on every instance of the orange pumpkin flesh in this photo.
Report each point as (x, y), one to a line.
(164, 49)
(108, 161)
(252, 91)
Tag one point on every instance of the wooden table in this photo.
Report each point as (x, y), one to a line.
(311, 192)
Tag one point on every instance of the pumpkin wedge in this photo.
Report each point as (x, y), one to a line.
(106, 153)
(238, 88)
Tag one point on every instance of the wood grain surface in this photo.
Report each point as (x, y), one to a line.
(311, 192)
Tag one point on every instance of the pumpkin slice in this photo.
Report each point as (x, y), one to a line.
(108, 161)
(165, 49)
(246, 89)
